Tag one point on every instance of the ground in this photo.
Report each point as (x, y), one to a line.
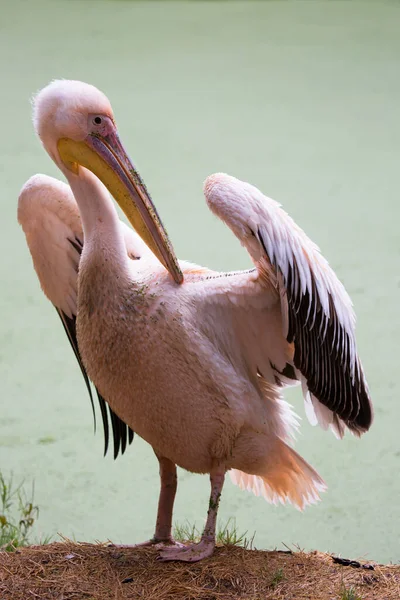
(72, 571)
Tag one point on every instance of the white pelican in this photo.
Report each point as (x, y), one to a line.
(195, 366)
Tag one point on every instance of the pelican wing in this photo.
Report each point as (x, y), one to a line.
(316, 313)
(49, 216)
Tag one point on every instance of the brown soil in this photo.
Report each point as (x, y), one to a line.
(70, 571)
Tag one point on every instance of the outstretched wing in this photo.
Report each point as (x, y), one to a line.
(317, 318)
(49, 216)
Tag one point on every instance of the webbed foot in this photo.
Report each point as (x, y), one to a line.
(192, 553)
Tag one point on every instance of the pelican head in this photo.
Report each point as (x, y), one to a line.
(76, 125)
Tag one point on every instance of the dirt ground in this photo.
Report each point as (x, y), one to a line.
(71, 571)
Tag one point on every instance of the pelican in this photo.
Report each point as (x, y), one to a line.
(194, 361)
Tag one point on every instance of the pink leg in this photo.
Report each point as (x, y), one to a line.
(206, 546)
(169, 480)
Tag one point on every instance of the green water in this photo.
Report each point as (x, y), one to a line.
(299, 98)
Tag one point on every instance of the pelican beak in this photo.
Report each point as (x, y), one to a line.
(106, 158)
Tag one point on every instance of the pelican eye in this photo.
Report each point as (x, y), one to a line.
(97, 120)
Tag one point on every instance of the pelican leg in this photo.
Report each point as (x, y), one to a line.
(206, 546)
(169, 482)
(162, 534)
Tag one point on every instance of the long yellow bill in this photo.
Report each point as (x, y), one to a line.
(107, 159)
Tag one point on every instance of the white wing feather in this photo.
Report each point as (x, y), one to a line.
(49, 216)
(316, 311)
(50, 219)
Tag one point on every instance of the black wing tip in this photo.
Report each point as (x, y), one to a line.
(322, 354)
(361, 422)
(69, 324)
(364, 419)
(131, 435)
(103, 410)
(358, 430)
(127, 435)
(122, 434)
(332, 381)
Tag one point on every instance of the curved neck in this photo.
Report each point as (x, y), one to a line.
(101, 225)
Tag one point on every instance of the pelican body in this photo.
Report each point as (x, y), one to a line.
(192, 360)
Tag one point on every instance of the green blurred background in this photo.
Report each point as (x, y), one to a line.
(300, 99)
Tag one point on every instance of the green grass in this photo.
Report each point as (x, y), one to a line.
(349, 594)
(18, 514)
(227, 535)
(184, 532)
(277, 577)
